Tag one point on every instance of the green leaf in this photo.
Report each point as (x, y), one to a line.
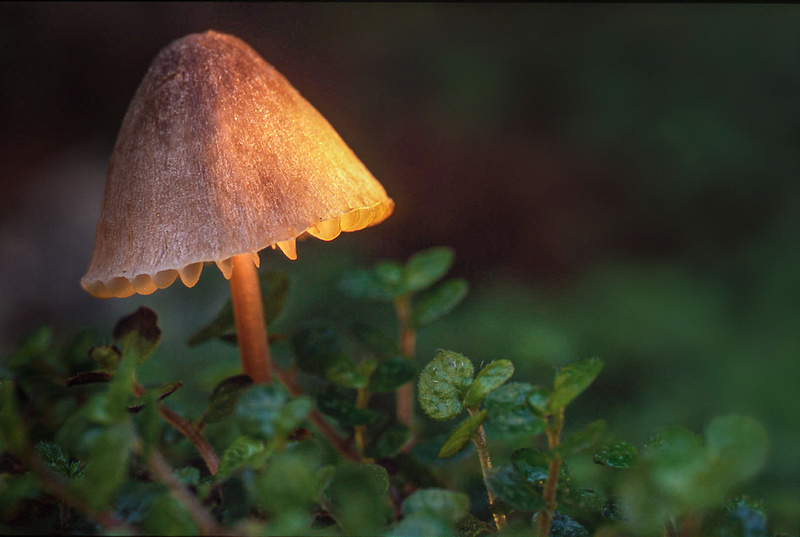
(264, 412)
(224, 396)
(358, 498)
(274, 290)
(737, 446)
(53, 456)
(375, 339)
(426, 267)
(508, 412)
(138, 334)
(440, 503)
(340, 404)
(564, 526)
(391, 374)
(289, 481)
(508, 485)
(619, 455)
(188, 475)
(243, 451)
(571, 380)
(462, 434)
(678, 462)
(439, 302)
(489, 379)
(532, 465)
(442, 384)
(537, 400)
(120, 388)
(107, 356)
(577, 442)
(389, 273)
(108, 464)
(389, 442)
(421, 525)
(740, 517)
(320, 349)
(365, 284)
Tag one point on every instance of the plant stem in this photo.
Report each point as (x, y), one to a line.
(248, 311)
(362, 400)
(545, 518)
(408, 341)
(479, 439)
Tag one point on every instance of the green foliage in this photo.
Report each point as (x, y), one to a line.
(439, 302)
(489, 379)
(571, 381)
(77, 443)
(443, 383)
(462, 434)
(509, 411)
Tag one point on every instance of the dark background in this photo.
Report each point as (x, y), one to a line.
(619, 181)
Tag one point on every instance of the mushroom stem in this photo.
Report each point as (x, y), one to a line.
(248, 310)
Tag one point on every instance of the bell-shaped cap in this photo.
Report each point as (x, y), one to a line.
(218, 155)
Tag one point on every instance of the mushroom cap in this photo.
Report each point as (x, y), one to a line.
(218, 155)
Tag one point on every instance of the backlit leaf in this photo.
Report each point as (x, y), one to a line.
(489, 379)
(442, 384)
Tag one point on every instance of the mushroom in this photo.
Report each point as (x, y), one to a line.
(217, 158)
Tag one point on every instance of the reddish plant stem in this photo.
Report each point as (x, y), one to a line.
(545, 517)
(408, 341)
(362, 400)
(192, 433)
(248, 312)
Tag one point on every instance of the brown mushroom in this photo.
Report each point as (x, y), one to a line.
(217, 158)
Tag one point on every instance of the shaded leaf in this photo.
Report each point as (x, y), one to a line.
(389, 442)
(243, 451)
(462, 434)
(265, 411)
(426, 267)
(364, 284)
(167, 516)
(579, 441)
(508, 485)
(289, 481)
(390, 374)
(439, 302)
(508, 412)
(389, 273)
(440, 503)
(320, 349)
(108, 464)
(341, 404)
(564, 526)
(421, 525)
(188, 475)
(33, 347)
(489, 379)
(442, 384)
(619, 455)
(138, 333)
(224, 396)
(571, 380)
(357, 495)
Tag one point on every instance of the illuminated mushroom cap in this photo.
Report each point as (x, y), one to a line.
(218, 155)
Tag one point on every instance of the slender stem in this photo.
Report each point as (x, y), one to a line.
(248, 310)
(545, 518)
(408, 341)
(362, 400)
(205, 522)
(479, 439)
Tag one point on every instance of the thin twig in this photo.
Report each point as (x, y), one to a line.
(545, 517)
(201, 517)
(479, 439)
(362, 400)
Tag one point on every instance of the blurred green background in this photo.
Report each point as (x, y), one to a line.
(617, 180)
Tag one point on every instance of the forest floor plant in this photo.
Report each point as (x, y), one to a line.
(334, 448)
